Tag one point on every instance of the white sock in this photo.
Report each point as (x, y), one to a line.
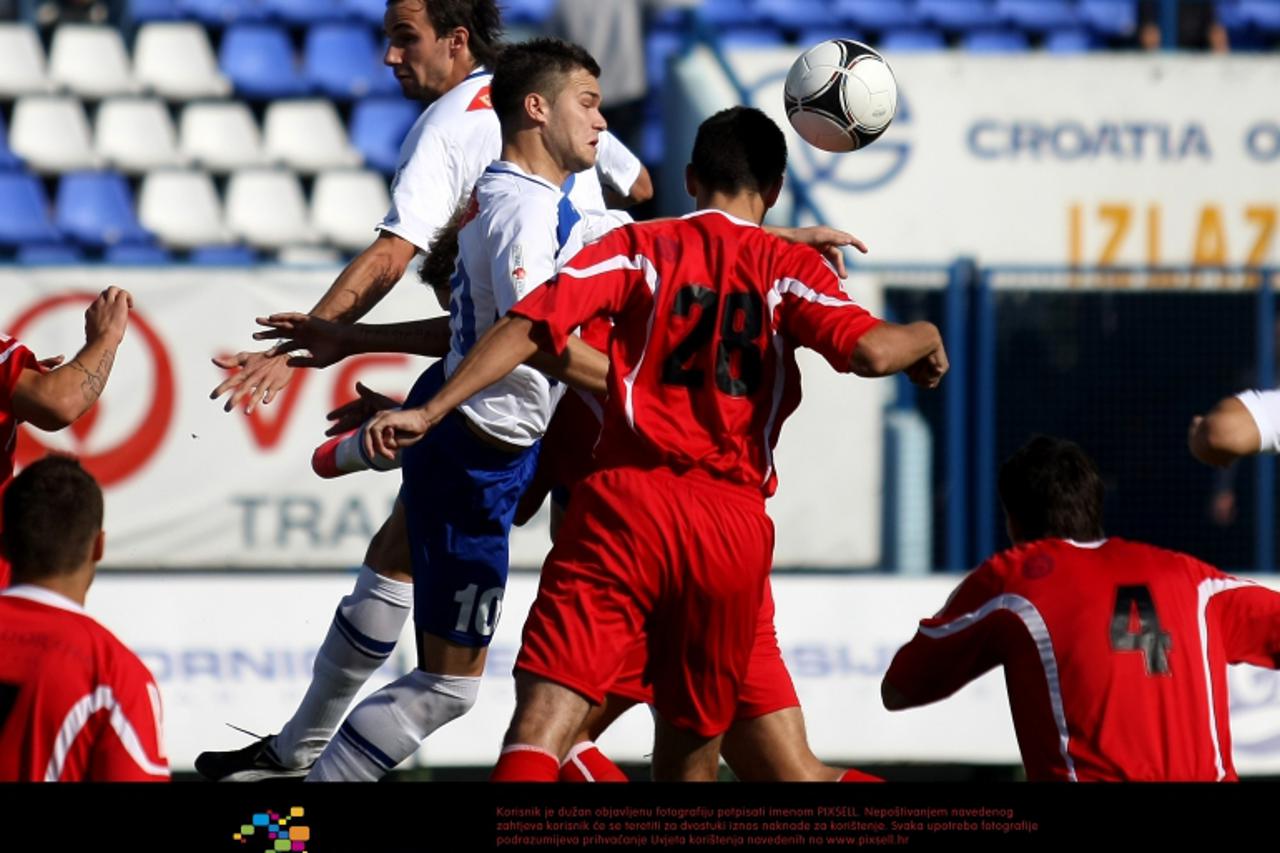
(361, 637)
(390, 725)
(350, 456)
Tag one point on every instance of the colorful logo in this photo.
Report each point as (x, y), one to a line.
(270, 832)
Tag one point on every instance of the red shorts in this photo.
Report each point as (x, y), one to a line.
(767, 688)
(679, 563)
(565, 457)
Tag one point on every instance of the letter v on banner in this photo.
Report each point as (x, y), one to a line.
(267, 430)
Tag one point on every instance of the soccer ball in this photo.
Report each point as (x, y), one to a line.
(840, 95)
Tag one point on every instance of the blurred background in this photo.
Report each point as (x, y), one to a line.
(1082, 194)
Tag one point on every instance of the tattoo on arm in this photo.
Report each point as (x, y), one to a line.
(94, 381)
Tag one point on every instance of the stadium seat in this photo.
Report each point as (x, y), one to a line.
(137, 256)
(343, 61)
(52, 134)
(659, 47)
(369, 11)
(175, 60)
(8, 160)
(143, 11)
(718, 13)
(259, 61)
(995, 41)
(1263, 14)
(808, 38)
(24, 211)
(90, 61)
(267, 210)
(1037, 16)
(308, 256)
(220, 135)
(307, 135)
(877, 14)
(346, 205)
(223, 256)
(1070, 41)
(223, 13)
(958, 15)
(751, 37)
(795, 14)
(136, 135)
(96, 210)
(304, 12)
(49, 255)
(907, 41)
(182, 208)
(1110, 18)
(527, 11)
(378, 126)
(22, 62)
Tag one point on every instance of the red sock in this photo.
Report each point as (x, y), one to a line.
(523, 763)
(586, 763)
(852, 775)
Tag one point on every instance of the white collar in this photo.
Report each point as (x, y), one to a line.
(729, 216)
(1092, 546)
(44, 595)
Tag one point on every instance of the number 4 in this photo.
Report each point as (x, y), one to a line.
(1146, 636)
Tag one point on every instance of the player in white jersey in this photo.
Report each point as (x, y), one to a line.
(1242, 425)
(460, 491)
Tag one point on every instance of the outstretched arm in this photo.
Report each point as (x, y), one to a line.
(915, 348)
(1233, 429)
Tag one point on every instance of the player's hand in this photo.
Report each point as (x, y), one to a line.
(47, 364)
(389, 431)
(108, 316)
(327, 342)
(349, 416)
(928, 371)
(829, 241)
(259, 377)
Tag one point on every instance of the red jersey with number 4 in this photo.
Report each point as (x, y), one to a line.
(75, 704)
(14, 358)
(707, 312)
(1115, 656)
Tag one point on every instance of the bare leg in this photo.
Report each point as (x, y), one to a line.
(775, 748)
(388, 552)
(682, 756)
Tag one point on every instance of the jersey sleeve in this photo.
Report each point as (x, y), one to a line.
(617, 166)
(1247, 616)
(1264, 408)
(813, 310)
(954, 647)
(131, 748)
(14, 358)
(602, 280)
(426, 190)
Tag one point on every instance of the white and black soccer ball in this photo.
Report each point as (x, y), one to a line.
(840, 95)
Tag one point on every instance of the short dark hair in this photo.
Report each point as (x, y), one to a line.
(739, 149)
(52, 513)
(1051, 488)
(538, 65)
(480, 18)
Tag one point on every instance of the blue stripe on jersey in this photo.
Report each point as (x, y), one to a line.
(462, 311)
(479, 72)
(567, 216)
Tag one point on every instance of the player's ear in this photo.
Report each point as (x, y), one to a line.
(772, 192)
(459, 39)
(690, 181)
(535, 108)
(99, 546)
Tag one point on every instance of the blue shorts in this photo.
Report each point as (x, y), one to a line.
(459, 496)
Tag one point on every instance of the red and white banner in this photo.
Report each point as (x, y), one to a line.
(188, 485)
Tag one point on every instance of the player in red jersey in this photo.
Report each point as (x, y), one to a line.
(50, 397)
(75, 704)
(668, 540)
(1115, 652)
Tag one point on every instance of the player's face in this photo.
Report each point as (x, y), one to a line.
(422, 60)
(574, 122)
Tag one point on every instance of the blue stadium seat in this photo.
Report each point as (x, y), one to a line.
(719, 13)
(8, 160)
(995, 41)
(795, 14)
(808, 38)
(304, 12)
(138, 256)
(223, 256)
(1071, 41)
(877, 14)
(1110, 18)
(959, 15)
(916, 39)
(669, 18)
(223, 13)
(343, 62)
(378, 126)
(527, 11)
(659, 47)
(1263, 14)
(142, 11)
(1037, 16)
(369, 11)
(48, 254)
(24, 211)
(96, 209)
(259, 61)
(752, 37)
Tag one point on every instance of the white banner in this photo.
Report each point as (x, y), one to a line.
(190, 486)
(238, 649)
(1043, 159)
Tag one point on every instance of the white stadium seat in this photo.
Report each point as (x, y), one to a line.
(90, 61)
(308, 136)
(220, 135)
(22, 64)
(176, 61)
(182, 209)
(136, 135)
(266, 209)
(346, 205)
(52, 134)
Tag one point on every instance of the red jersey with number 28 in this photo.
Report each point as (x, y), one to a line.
(707, 312)
(1115, 656)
